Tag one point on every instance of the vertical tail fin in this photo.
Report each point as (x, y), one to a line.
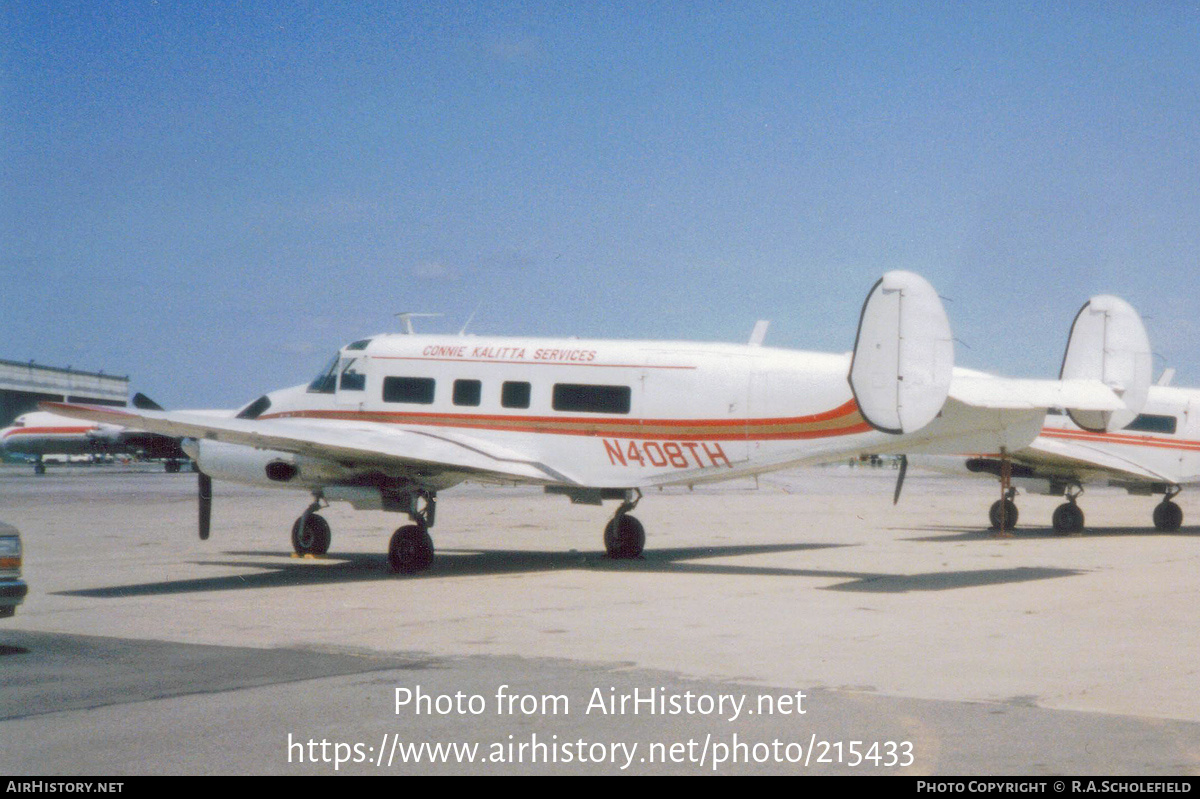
(1108, 343)
(903, 354)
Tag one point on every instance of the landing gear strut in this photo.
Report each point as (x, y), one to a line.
(1068, 517)
(1003, 513)
(411, 548)
(1168, 517)
(310, 533)
(624, 536)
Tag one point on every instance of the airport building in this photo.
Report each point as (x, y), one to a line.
(24, 385)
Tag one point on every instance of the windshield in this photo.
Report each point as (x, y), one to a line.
(326, 381)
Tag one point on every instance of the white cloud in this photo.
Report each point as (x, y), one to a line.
(434, 270)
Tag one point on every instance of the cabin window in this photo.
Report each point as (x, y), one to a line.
(326, 380)
(1152, 423)
(514, 395)
(581, 398)
(351, 380)
(416, 390)
(467, 392)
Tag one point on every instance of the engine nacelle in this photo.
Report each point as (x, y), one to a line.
(242, 464)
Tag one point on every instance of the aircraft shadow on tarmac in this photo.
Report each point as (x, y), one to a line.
(979, 534)
(283, 571)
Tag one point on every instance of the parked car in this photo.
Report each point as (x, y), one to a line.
(12, 587)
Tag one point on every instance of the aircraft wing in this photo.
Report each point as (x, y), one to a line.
(986, 391)
(368, 443)
(1080, 457)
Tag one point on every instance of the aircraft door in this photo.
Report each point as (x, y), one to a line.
(1190, 458)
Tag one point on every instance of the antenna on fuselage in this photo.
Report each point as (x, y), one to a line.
(463, 332)
(406, 318)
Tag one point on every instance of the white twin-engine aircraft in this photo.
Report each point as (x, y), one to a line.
(1156, 453)
(397, 418)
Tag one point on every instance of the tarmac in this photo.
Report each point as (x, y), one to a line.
(913, 639)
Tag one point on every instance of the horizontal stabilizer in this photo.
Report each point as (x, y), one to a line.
(1002, 392)
(903, 355)
(1109, 343)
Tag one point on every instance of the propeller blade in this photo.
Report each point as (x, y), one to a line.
(205, 504)
(900, 478)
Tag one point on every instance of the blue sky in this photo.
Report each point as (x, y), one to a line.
(212, 197)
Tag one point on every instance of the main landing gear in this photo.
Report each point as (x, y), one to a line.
(1068, 517)
(410, 549)
(310, 533)
(1003, 513)
(1168, 517)
(624, 536)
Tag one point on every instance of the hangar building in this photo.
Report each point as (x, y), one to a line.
(24, 385)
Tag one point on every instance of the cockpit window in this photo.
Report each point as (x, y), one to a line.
(326, 381)
(352, 380)
(256, 408)
(361, 344)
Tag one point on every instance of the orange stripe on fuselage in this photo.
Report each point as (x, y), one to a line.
(1121, 438)
(26, 431)
(843, 420)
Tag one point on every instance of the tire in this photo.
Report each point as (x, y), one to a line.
(1068, 519)
(315, 538)
(1010, 511)
(410, 551)
(1168, 517)
(624, 537)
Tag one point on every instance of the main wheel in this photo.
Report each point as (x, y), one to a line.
(624, 537)
(1168, 517)
(1010, 520)
(410, 550)
(1068, 518)
(314, 538)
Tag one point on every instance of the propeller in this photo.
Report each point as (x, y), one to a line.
(205, 504)
(900, 478)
